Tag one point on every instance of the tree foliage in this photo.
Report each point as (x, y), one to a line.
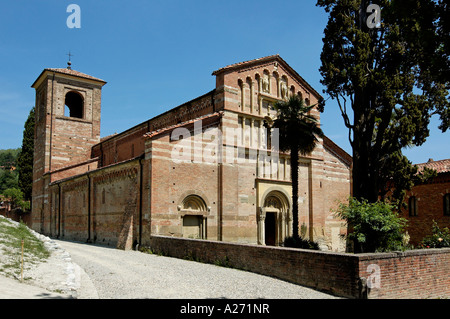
(298, 133)
(15, 196)
(388, 82)
(8, 179)
(25, 158)
(373, 227)
(8, 172)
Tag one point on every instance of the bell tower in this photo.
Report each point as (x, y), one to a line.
(67, 125)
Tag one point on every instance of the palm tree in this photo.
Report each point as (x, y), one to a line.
(298, 133)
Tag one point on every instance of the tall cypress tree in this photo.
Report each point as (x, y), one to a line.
(25, 159)
(388, 81)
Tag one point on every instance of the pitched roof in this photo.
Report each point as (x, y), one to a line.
(212, 116)
(249, 62)
(338, 151)
(69, 72)
(73, 72)
(441, 166)
(262, 60)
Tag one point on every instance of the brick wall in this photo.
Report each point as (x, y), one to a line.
(130, 143)
(430, 206)
(411, 274)
(61, 141)
(101, 206)
(414, 274)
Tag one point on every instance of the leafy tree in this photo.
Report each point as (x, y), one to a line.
(400, 177)
(388, 82)
(8, 158)
(15, 195)
(8, 179)
(373, 226)
(298, 132)
(8, 173)
(25, 158)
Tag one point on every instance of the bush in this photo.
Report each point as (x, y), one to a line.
(298, 242)
(439, 238)
(373, 227)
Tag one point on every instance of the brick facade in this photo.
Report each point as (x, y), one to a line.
(62, 141)
(428, 200)
(200, 170)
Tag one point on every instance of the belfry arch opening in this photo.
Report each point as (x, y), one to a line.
(74, 105)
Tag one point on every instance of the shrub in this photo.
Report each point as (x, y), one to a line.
(439, 238)
(298, 242)
(373, 227)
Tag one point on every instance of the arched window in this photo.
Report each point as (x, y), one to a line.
(447, 204)
(412, 206)
(74, 105)
(292, 90)
(242, 89)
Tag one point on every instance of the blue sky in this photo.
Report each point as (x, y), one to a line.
(156, 55)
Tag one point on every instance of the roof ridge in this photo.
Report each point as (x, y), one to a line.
(74, 72)
(434, 161)
(440, 166)
(190, 121)
(245, 62)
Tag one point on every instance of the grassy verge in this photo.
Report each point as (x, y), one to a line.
(11, 236)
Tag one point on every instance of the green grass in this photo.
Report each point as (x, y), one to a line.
(11, 236)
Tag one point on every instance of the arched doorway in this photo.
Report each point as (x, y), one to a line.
(193, 215)
(274, 219)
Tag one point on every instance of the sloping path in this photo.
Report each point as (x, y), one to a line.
(122, 274)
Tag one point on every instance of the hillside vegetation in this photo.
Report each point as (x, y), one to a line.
(11, 236)
(9, 176)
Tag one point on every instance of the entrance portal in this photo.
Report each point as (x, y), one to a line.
(270, 228)
(274, 219)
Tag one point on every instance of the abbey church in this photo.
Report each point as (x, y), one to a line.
(206, 169)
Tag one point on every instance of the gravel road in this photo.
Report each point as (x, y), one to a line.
(130, 274)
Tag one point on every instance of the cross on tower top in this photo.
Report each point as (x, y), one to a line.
(69, 63)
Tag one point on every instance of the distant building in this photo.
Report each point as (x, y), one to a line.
(429, 201)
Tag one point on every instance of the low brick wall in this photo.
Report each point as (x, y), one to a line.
(411, 274)
(17, 215)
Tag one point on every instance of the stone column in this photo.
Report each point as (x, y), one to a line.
(261, 231)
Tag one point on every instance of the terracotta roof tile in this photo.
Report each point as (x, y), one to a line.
(441, 166)
(168, 128)
(73, 72)
(245, 62)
